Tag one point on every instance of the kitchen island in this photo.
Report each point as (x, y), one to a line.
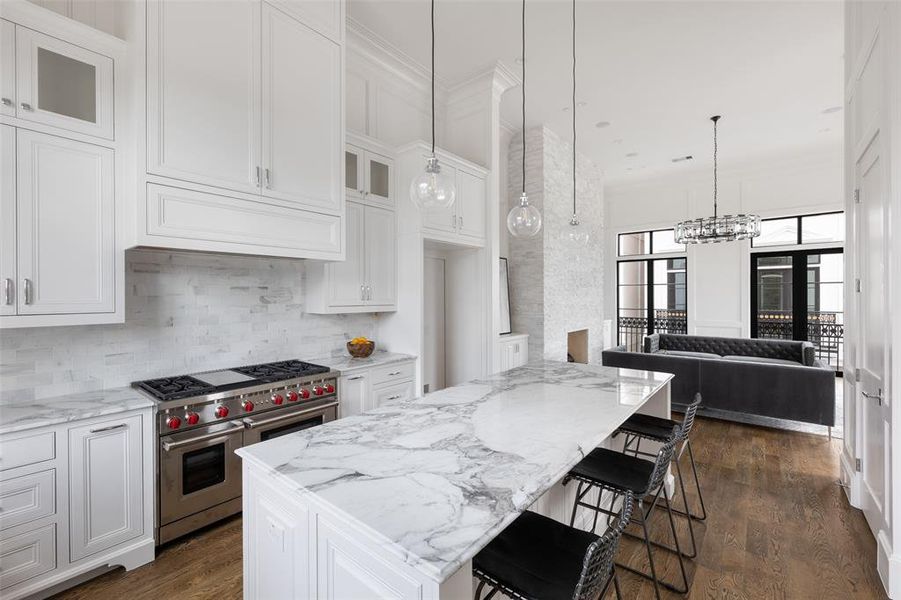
(394, 503)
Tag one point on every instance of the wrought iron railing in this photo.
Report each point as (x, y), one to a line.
(633, 329)
(824, 329)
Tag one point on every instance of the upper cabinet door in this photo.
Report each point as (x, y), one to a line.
(354, 175)
(7, 220)
(443, 219)
(346, 285)
(203, 93)
(7, 68)
(471, 204)
(379, 179)
(66, 226)
(303, 158)
(381, 256)
(63, 85)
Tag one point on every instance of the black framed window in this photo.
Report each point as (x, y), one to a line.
(655, 241)
(652, 296)
(822, 228)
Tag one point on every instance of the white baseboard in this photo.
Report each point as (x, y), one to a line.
(850, 480)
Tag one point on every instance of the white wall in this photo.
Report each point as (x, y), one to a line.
(719, 274)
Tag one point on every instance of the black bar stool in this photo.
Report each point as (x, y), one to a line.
(623, 475)
(640, 427)
(538, 558)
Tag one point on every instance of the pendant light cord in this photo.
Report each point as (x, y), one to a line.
(574, 109)
(523, 96)
(433, 77)
(714, 119)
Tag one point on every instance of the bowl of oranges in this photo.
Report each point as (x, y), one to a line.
(360, 347)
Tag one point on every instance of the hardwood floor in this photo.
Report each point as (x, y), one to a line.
(779, 527)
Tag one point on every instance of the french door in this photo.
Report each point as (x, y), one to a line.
(798, 295)
(651, 298)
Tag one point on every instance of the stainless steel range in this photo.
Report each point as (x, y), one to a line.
(203, 418)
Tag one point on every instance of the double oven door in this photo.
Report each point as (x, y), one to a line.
(200, 472)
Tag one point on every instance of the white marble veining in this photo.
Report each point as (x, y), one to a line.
(436, 478)
(19, 415)
(348, 364)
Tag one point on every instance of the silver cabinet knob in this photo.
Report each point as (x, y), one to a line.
(26, 106)
(6, 101)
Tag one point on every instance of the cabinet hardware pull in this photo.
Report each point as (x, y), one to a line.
(110, 428)
(369, 292)
(7, 102)
(461, 222)
(362, 292)
(394, 397)
(29, 293)
(26, 106)
(258, 177)
(394, 374)
(268, 179)
(7, 291)
(355, 377)
(238, 428)
(252, 423)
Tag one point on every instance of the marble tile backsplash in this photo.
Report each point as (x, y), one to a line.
(184, 313)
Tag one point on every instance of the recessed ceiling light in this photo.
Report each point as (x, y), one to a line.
(602, 124)
(631, 154)
(581, 103)
(565, 109)
(618, 141)
(825, 130)
(832, 109)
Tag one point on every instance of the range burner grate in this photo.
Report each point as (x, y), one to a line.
(174, 388)
(276, 371)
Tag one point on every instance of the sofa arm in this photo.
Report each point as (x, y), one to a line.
(808, 354)
(652, 343)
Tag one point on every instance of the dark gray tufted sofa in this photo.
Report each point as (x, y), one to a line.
(770, 378)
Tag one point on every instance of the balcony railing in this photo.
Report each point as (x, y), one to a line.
(633, 329)
(824, 329)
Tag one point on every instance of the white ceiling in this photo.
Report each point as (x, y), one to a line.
(655, 70)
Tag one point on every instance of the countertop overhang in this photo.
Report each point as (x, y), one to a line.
(438, 477)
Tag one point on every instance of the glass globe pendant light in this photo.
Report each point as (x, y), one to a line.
(524, 220)
(432, 188)
(575, 234)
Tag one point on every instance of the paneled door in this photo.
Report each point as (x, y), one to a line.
(471, 204)
(105, 485)
(7, 68)
(66, 226)
(381, 256)
(303, 106)
(872, 343)
(203, 93)
(8, 277)
(346, 278)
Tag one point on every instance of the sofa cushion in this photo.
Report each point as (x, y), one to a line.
(766, 348)
(761, 359)
(689, 354)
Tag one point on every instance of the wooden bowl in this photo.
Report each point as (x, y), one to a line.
(361, 350)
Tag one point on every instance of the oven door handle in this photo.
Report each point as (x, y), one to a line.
(252, 424)
(238, 428)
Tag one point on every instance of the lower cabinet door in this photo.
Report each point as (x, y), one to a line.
(397, 392)
(27, 555)
(105, 485)
(354, 394)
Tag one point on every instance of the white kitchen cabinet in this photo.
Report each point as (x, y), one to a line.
(106, 484)
(442, 219)
(63, 85)
(346, 279)
(381, 257)
(368, 174)
(65, 215)
(513, 351)
(7, 68)
(302, 114)
(354, 173)
(8, 277)
(471, 204)
(27, 555)
(396, 392)
(203, 93)
(354, 391)
(363, 389)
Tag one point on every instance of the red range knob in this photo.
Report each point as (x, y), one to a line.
(329, 388)
(276, 399)
(222, 412)
(318, 390)
(292, 396)
(173, 422)
(304, 393)
(247, 405)
(193, 418)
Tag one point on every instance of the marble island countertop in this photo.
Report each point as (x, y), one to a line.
(19, 415)
(346, 363)
(436, 478)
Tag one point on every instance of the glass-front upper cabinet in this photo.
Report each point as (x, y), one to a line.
(368, 176)
(354, 177)
(379, 178)
(63, 85)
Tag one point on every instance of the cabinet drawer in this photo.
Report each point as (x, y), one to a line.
(393, 373)
(27, 450)
(26, 498)
(27, 555)
(202, 221)
(393, 393)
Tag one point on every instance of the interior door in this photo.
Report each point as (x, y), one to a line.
(303, 102)
(66, 226)
(381, 256)
(203, 93)
(471, 207)
(346, 279)
(873, 330)
(7, 220)
(7, 68)
(63, 85)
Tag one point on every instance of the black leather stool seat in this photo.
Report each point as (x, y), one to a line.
(649, 426)
(615, 470)
(537, 557)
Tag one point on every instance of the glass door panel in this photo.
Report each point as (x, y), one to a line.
(632, 303)
(825, 306)
(670, 296)
(379, 173)
(774, 297)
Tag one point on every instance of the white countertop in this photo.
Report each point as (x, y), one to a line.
(439, 477)
(30, 414)
(348, 364)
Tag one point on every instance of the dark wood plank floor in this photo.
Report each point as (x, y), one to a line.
(779, 528)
